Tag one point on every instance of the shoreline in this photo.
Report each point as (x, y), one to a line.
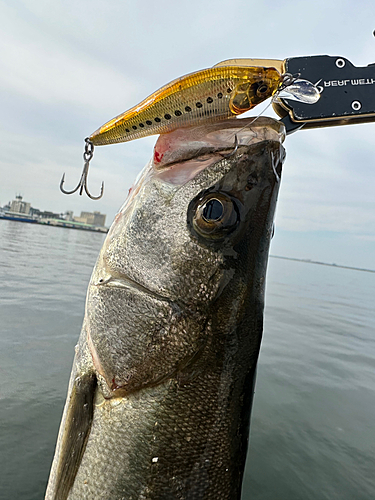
(58, 223)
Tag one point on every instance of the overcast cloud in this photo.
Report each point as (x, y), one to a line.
(66, 67)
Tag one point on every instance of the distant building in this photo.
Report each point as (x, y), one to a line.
(92, 218)
(20, 207)
(69, 215)
(45, 214)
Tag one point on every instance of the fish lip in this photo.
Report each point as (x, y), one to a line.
(128, 283)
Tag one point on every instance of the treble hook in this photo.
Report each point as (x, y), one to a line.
(82, 185)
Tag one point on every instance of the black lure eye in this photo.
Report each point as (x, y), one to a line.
(215, 215)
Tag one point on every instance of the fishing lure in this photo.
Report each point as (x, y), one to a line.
(226, 90)
(204, 96)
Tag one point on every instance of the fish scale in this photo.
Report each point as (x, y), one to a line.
(201, 97)
(177, 452)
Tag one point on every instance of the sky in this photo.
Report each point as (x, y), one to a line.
(67, 67)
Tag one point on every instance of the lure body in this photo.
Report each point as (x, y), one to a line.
(204, 96)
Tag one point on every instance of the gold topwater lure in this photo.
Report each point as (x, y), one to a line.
(204, 96)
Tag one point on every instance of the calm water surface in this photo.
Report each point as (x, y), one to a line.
(312, 432)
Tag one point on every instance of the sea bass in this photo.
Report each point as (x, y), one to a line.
(162, 383)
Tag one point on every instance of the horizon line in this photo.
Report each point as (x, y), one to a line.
(309, 261)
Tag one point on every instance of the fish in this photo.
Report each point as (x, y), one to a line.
(204, 96)
(161, 389)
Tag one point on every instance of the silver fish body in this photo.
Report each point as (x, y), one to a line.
(161, 389)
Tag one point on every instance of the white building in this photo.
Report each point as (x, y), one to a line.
(19, 206)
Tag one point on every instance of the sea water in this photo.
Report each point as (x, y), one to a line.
(312, 429)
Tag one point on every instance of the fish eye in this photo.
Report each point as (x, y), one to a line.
(216, 215)
(213, 210)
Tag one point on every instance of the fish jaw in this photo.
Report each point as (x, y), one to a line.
(132, 348)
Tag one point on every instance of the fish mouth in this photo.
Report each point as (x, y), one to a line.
(203, 141)
(127, 283)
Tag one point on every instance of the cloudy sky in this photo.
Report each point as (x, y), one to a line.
(66, 67)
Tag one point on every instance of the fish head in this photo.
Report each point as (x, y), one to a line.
(188, 250)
